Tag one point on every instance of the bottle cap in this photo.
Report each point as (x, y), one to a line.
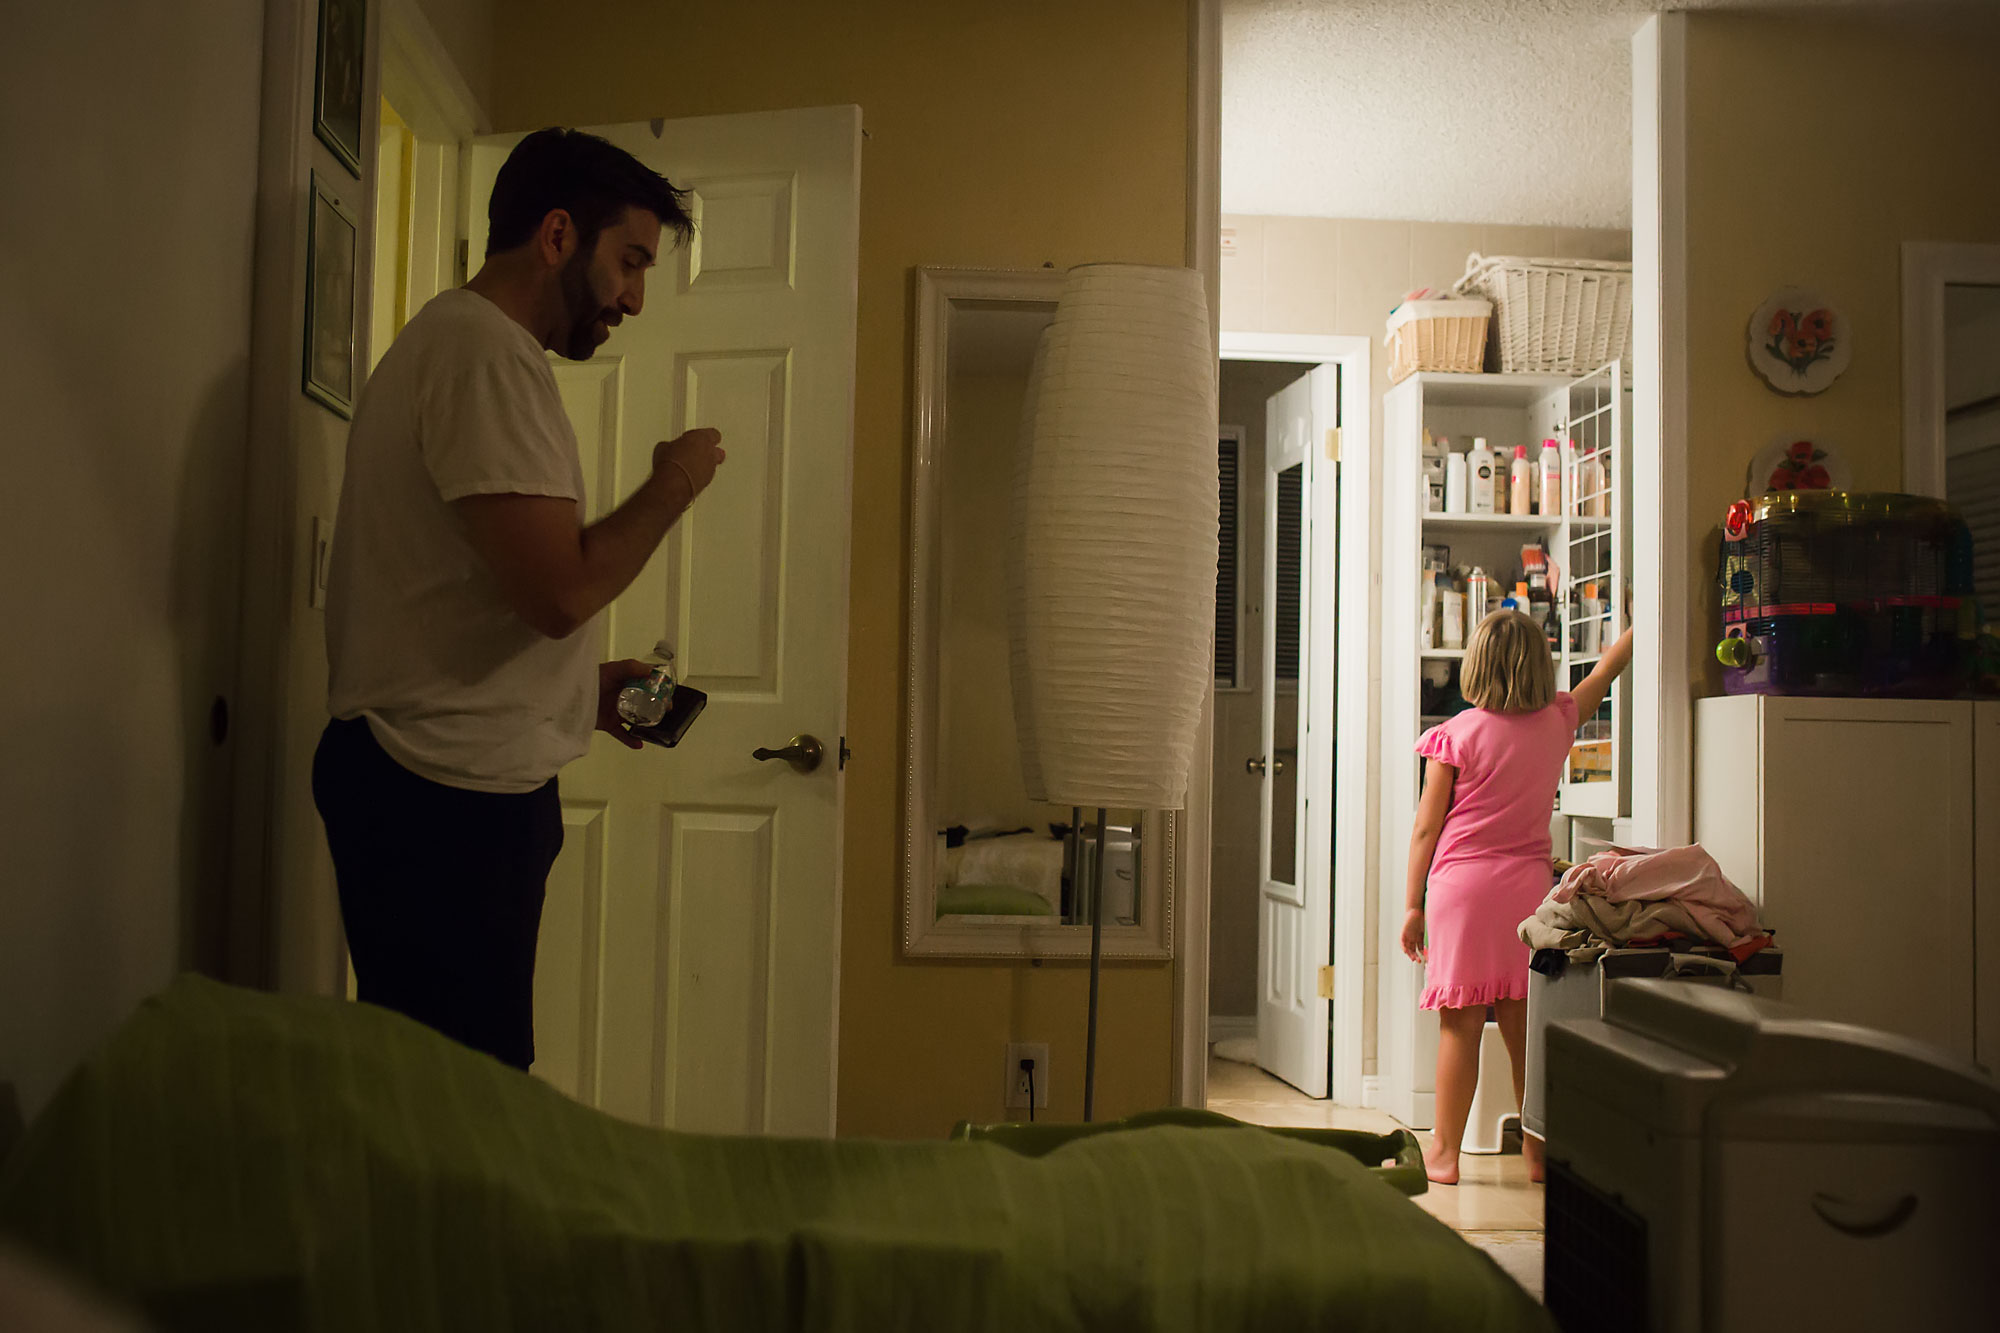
(664, 651)
(1520, 451)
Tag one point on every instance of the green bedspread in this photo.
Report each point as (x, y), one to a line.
(230, 1160)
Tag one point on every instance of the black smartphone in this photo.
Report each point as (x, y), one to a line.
(686, 707)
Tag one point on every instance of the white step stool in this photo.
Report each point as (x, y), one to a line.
(1493, 1103)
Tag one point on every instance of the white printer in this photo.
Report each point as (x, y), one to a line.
(1719, 1161)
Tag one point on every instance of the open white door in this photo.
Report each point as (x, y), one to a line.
(1295, 907)
(689, 966)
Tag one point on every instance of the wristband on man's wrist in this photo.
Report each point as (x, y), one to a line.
(687, 477)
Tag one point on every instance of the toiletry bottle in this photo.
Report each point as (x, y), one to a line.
(1551, 468)
(642, 703)
(1590, 642)
(1454, 483)
(1451, 604)
(1591, 484)
(1427, 610)
(1520, 482)
(1478, 594)
(1482, 484)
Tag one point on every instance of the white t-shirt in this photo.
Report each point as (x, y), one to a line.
(420, 641)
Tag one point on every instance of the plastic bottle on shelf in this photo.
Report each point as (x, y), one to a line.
(1482, 485)
(1520, 482)
(1551, 469)
(1590, 622)
(1591, 484)
(1454, 484)
(1427, 610)
(1451, 613)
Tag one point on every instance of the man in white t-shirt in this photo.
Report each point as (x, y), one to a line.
(463, 577)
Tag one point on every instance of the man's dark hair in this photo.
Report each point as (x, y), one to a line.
(592, 180)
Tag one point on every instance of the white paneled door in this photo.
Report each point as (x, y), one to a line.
(688, 973)
(1295, 905)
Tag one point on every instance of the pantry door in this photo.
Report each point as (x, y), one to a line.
(688, 973)
(1295, 822)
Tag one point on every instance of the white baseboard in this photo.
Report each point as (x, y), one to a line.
(1222, 1028)
(1371, 1092)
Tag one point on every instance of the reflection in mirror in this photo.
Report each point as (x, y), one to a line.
(1288, 547)
(990, 872)
(1000, 853)
(1048, 872)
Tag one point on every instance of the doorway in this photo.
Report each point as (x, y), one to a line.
(1951, 391)
(1293, 611)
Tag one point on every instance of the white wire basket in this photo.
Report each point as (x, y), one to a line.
(1554, 316)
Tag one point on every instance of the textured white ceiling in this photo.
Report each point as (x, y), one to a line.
(1502, 111)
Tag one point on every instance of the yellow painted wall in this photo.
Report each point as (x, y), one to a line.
(1000, 134)
(1816, 146)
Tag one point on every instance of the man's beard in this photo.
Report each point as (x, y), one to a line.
(580, 303)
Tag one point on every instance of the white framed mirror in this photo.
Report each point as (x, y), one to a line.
(989, 873)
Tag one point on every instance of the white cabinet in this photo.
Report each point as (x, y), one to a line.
(1852, 824)
(1587, 542)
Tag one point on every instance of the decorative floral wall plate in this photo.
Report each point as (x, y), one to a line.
(1799, 343)
(1791, 464)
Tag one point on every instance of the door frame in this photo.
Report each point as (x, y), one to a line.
(1662, 669)
(1356, 679)
(420, 79)
(1928, 268)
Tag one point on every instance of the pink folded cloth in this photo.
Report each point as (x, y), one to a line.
(1687, 875)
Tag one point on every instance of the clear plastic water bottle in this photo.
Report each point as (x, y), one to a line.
(643, 703)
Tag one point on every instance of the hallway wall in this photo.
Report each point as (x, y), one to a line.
(125, 312)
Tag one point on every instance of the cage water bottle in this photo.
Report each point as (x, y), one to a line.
(643, 703)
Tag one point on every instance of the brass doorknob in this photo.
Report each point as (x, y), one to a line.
(805, 753)
(1258, 766)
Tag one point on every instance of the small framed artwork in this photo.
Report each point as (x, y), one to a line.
(1799, 342)
(1789, 463)
(337, 79)
(331, 236)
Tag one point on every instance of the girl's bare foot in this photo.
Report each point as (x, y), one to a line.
(1534, 1154)
(1441, 1167)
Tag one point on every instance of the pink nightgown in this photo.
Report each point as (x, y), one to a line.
(1492, 867)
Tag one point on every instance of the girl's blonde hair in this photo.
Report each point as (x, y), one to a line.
(1507, 665)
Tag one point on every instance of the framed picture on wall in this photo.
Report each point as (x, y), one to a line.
(337, 79)
(331, 236)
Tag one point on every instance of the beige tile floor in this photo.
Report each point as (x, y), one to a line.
(1494, 1193)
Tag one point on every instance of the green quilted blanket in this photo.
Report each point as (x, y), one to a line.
(232, 1160)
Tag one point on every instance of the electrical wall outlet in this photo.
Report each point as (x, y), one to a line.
(1017, 1077)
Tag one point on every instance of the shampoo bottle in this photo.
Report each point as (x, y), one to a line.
(1483, 484)
(1551, 467)
(1520, 482)
(1454, 484)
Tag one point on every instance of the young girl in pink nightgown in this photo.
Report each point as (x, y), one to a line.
(1480, 858)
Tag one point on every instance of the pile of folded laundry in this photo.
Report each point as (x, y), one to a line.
(1636, 897)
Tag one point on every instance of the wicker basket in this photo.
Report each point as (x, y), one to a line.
(1555, 316)
(1438, 335)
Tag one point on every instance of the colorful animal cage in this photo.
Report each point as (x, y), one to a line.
(1837, 593)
